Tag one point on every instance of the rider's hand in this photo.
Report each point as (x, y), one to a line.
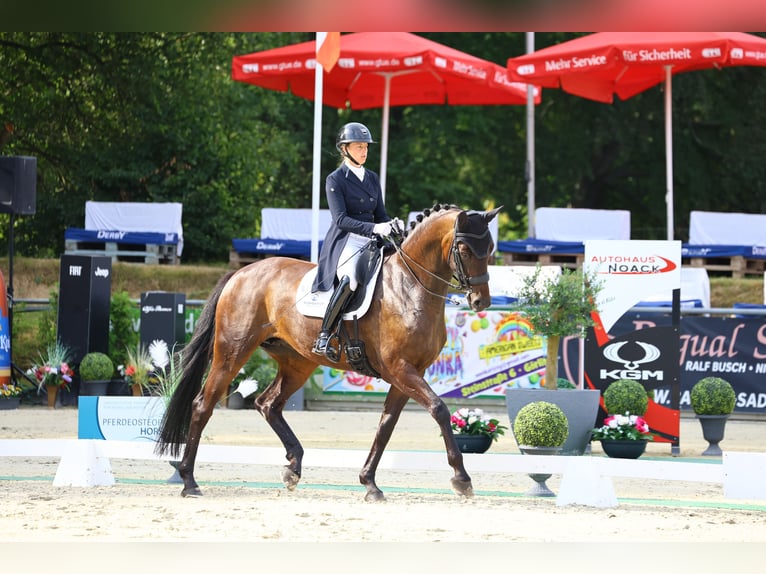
(397, 225)
(382, 229)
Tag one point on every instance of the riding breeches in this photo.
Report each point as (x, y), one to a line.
(349, 256)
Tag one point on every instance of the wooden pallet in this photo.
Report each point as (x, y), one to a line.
(568, 260)
(735, 266)
(150, 253)
(239, 259)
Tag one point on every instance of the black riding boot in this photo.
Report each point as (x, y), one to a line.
(331, 318)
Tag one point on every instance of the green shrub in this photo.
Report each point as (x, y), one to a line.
(46, 322)
(541, 424)
(626, 396)
(122, 334)
(713, 396)
(96, 367)
(564, 384)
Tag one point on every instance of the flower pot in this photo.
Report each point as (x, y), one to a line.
(137, 390)
(579, 406)
(713, 427)
(52, 391)
(473, 443)
(94, 388)
(236, 401)
(540, 488)
(623, 448)
(10, 403)
(118, 388)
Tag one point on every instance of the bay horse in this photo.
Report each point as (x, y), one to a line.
(404, 331)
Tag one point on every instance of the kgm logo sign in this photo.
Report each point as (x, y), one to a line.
(635, 366)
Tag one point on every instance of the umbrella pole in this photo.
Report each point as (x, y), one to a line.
(384, 136)
(530, 168)
(317, 163)
(669, 150)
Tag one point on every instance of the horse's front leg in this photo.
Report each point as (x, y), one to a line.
(420, 391)
(461, 482)
(392, 408)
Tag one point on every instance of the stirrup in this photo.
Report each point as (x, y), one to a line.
(331, 352)
(320, 345)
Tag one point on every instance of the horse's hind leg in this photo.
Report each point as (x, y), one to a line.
(292, 373)
(202, 409)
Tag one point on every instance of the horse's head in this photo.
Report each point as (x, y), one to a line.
(471, 249)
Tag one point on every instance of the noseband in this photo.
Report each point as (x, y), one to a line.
(479, 246)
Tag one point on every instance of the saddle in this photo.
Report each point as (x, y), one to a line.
(315, 304)
(367, 271)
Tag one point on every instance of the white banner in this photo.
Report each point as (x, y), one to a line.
(631, 271)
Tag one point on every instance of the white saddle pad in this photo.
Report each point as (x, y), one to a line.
(315, 304)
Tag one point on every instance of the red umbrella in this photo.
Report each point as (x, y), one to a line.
(598, 66)
(383, 69)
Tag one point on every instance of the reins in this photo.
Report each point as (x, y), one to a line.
(465, 282)
(404, 256)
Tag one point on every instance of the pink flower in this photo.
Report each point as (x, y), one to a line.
(641, 425)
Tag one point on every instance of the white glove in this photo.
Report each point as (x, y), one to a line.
(382, 229)
(397, 224)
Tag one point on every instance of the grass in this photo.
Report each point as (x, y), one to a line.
(36, 278)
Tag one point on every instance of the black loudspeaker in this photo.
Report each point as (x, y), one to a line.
(18, 185)
(162, 317)
(85, 286)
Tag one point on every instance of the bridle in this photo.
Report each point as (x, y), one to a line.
(464, 281)
(471, 240)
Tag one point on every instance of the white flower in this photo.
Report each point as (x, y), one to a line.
(247, 387)
(158, 350)
(622, 420)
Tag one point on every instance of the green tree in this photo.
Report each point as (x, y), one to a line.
(152, 117)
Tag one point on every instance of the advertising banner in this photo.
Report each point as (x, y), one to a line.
(630, 271)
(485, 354)
(120, 418)
(733, 348)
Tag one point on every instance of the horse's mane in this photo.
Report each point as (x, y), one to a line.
(438, 207)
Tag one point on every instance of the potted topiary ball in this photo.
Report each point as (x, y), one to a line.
(559, 303)
(626, 396)
(540, 428)
(713, 400)
(541, 425)
(96, 370)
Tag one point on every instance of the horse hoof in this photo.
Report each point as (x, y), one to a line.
(462, 487)
(191, 492)
(290, 478)
(374, 496)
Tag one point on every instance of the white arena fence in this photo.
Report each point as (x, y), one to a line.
(585, 480)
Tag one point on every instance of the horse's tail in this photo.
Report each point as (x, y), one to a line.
(195, 359)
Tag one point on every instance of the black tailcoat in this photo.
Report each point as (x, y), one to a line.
(355, 206)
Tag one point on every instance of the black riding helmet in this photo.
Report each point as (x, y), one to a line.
(352, 132)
